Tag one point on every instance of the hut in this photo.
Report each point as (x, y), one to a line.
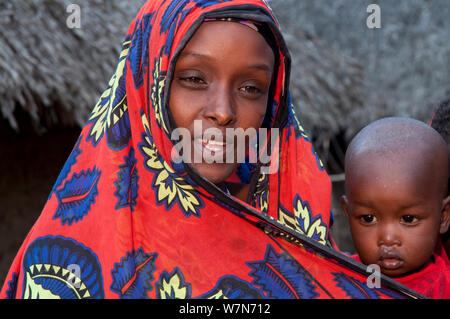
(52, 71)
(326, 87)
(53, 68)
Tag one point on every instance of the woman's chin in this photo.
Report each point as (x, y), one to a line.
(216, 173)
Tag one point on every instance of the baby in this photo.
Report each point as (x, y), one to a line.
(396, 202)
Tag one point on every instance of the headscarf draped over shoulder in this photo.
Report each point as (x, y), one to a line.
(125, 221)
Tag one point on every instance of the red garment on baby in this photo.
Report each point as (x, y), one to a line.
(432, 281)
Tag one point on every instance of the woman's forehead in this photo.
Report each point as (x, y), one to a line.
(215, 38)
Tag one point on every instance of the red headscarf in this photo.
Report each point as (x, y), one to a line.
(124, 221)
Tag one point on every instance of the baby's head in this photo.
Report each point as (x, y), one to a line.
(396, 186)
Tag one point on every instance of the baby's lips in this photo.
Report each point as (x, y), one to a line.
(390, 263)
(390, 258)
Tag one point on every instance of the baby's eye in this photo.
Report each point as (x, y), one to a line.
(368, 219)
(409, 219)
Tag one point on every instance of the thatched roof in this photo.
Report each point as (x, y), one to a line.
(405, 62)
(403, 68)
(53, 73)
(326, 86)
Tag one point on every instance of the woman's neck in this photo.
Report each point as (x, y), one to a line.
(238, 190)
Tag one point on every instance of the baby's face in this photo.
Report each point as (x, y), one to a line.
(394, 212)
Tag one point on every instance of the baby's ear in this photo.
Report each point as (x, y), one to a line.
(445, 216)
(344, 204)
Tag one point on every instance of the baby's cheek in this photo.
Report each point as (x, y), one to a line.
(419, 253)
(366, 247)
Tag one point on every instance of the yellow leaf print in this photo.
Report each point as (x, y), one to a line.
(105, 112)
(172, 286)
(261, 194)
(303, 222)
(170, 188)
(157, 88)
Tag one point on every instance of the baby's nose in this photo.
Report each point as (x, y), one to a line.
(389, 236)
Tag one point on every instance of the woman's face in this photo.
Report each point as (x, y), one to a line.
(221, 81)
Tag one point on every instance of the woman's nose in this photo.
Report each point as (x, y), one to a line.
(221, 108)
(389, 235)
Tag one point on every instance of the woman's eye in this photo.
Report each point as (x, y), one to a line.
(193, 80)
(409, 219)
(250, 89)
(368, 219)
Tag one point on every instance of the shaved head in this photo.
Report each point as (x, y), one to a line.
(406, 142)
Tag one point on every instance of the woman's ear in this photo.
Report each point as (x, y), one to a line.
(344, 204)
(445, 215)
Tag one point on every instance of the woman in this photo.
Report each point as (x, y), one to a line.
(128, 219)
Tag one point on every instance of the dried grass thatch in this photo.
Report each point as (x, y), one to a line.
(55, 74)
(326, 87)
(52, 72)
(405, 62)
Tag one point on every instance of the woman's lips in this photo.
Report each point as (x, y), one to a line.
(210, 148)
(213, 146)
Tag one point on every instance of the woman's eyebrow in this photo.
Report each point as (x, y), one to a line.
(195, 55)
(262, 67)
(258, 66)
